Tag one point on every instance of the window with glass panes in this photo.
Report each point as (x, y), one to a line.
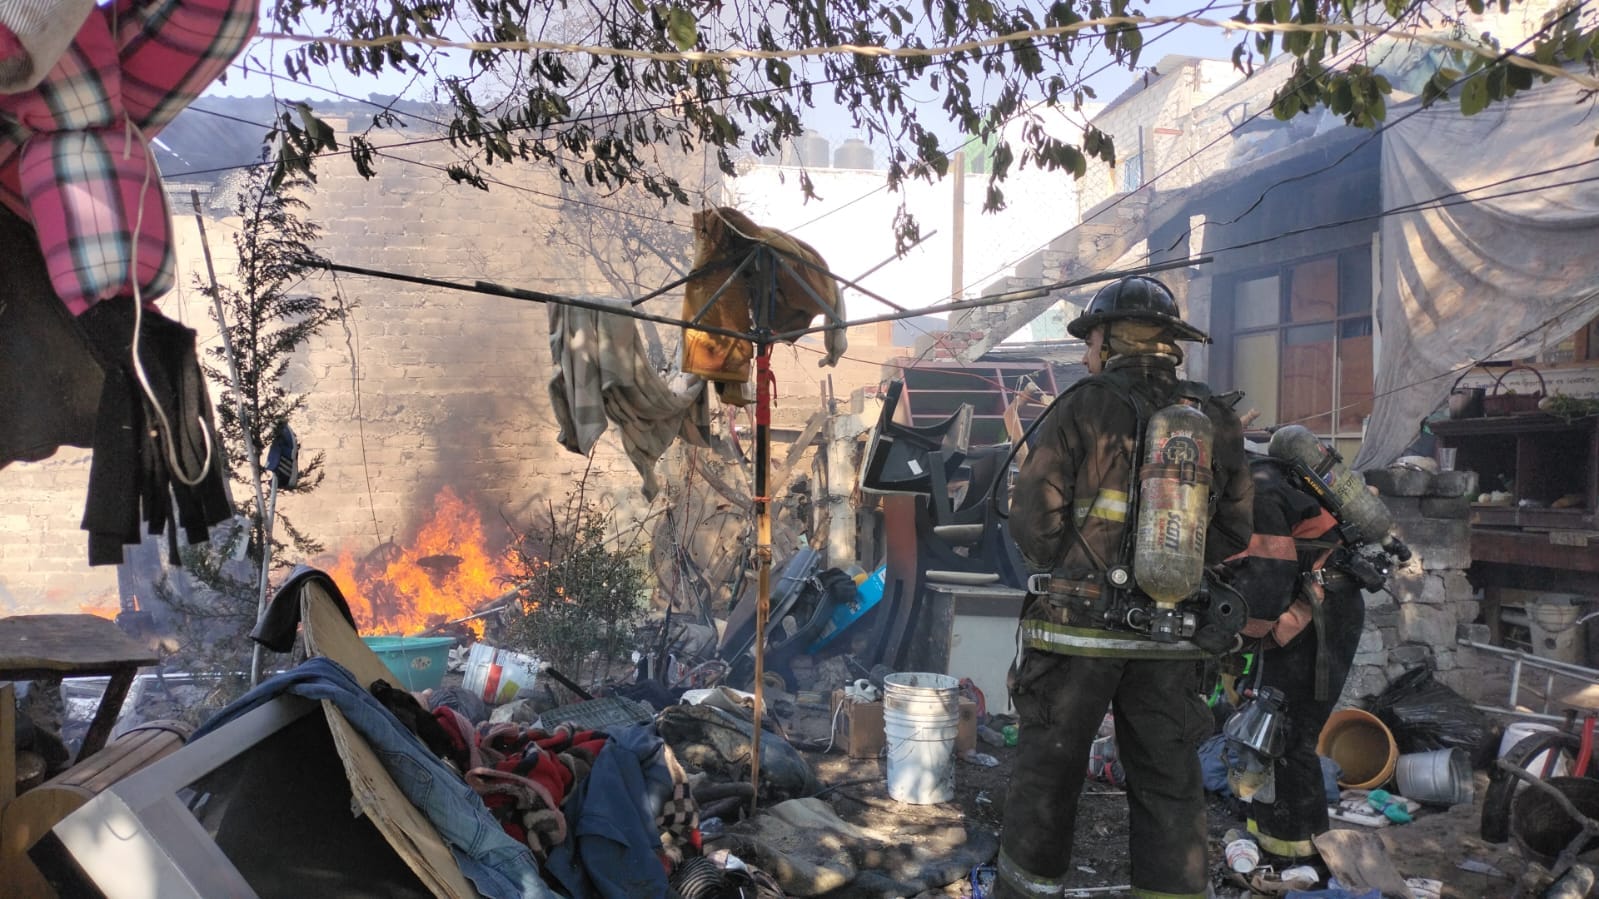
(1298, 338)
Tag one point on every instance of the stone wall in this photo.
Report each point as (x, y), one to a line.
(1428, 600)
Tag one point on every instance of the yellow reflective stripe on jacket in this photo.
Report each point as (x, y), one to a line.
(1083, 641)
(1111, 505)
(1156, 894)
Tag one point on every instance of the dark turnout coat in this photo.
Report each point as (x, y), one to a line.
(1077, 474)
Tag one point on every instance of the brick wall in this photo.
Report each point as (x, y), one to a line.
(451, 387)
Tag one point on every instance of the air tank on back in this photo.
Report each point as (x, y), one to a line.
(1362, 514)
(1173, 506)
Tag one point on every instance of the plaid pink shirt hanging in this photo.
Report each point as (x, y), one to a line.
(74, 157)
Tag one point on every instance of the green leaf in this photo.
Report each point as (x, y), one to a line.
(1473, 96)
(682, 28)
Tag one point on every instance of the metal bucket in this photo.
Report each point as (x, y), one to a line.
(1441, 777)
(921, 717)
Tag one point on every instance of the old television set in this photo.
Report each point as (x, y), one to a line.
(259, 807)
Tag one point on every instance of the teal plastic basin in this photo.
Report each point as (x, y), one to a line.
(417, 663)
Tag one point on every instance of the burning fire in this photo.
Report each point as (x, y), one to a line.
(447, 572)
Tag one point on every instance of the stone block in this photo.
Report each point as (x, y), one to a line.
(1432, 625)
(1466, 609)
(1398, 481)
(1403, 507)
(1474, 633)
(1407, 581)
(1446, 507)
(1438, 543)
(1385, 615)
(1411, 654)
(1454, 483)
(1364, 680)
(1421, 587)
(1457, 587)
(1370, 641)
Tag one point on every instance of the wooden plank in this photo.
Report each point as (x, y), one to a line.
(1534, 550)
(68, 644)
(796, 450)
(106, 713)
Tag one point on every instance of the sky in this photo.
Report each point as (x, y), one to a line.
(246, 77)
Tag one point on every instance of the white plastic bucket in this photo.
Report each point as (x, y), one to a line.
(1552, 621)
(1517, 731)
(496, 675)
(921, 716)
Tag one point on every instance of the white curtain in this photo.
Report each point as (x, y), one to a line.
(1500, 259)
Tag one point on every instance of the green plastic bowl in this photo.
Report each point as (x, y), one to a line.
(417, 663)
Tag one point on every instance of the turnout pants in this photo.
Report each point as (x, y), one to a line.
(1298, 811)
(1160, 721)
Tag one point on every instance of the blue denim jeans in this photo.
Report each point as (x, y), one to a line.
(496, 864)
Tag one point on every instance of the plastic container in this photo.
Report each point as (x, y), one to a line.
(1441, 777)
(496, 675)
(1243, 853)
(1517, 731)
(417, 663)
(921, 717)
(1552, 623)
(1362, 746)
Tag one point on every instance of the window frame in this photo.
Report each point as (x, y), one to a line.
(1352, 264)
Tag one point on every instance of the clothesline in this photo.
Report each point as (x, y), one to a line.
(535, 296)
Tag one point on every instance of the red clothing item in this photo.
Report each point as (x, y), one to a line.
(74, 153)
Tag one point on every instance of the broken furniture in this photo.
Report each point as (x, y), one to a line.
(943, 520)
(225, 814)
(228, 816)
(28, 817)
(51, 646)
(969, 632)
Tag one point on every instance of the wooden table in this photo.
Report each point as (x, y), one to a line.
(48, 646)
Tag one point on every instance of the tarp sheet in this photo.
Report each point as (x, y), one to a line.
(1496, 256)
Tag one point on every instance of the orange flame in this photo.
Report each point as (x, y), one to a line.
(447, 572)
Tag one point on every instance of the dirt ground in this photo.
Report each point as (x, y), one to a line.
(1434, 846)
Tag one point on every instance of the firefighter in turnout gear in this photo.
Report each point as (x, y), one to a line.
(1091, 639)
(1302, 583)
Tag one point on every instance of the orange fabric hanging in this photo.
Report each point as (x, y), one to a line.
(726, 235)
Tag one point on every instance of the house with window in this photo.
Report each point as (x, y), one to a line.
(1370, 284)
(1348, 276)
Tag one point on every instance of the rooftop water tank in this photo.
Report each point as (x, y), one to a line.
(853, 154)
(811, 150)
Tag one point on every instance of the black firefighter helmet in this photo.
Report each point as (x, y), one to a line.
(1139, 299)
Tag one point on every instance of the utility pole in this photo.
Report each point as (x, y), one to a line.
(957, 273)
